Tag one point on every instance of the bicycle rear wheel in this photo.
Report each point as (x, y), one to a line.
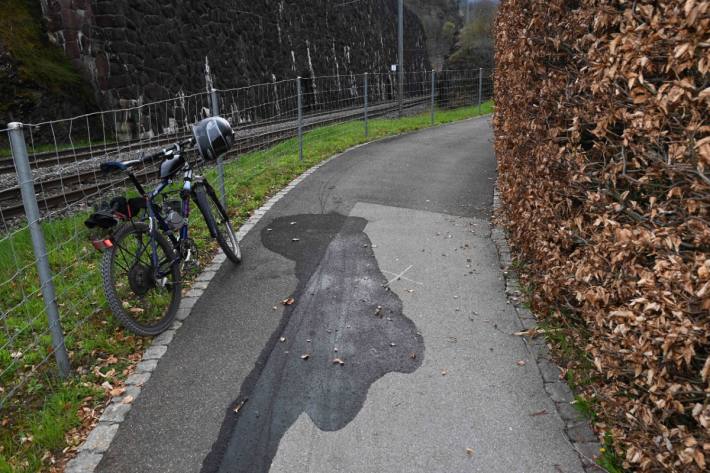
(142, 304)
(218, 222)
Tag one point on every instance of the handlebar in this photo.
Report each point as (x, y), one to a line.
(166, 151)
(144, 159)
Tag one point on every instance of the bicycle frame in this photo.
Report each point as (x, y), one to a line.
(156, 217)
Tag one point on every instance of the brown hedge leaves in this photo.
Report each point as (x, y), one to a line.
(604, 167)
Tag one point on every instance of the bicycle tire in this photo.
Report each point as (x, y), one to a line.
(206, 199)
(116, 303)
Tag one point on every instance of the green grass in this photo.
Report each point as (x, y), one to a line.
(609, 460)
(38, 421)
(585, 407)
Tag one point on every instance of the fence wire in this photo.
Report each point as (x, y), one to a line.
(64, 157)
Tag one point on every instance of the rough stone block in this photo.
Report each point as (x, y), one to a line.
(550, 372)
(133, 391)
(138, 379)
(165, 337)
(590, 452)
(155, 352)
(100, 438)
(187, 303)
(195, 293)
(581, 432)
(85, 462)
(213, 267)
(559, 392)
(146, 366)
(200, 285)
(115, 412)
(206, 275)
(569, 414)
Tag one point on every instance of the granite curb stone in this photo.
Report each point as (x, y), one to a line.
(578, 431)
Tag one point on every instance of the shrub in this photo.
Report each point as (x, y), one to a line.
(604, 158)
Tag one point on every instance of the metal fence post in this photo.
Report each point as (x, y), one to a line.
(300, 118)
(480, 88)
(366, 130)
(433, 94)
(214, 106)
(29, 201)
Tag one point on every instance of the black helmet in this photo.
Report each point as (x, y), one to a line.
(213, 137)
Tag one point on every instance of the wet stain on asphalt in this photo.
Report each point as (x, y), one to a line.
(342, 310)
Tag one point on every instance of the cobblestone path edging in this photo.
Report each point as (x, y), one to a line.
(577, 428)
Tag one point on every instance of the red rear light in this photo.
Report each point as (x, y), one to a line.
(101, 245)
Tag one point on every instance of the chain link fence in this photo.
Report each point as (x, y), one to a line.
(50, 286)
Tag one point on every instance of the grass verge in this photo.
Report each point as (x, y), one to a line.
(46, 418)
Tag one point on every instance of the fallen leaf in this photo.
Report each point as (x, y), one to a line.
(127, 400)
(305, 356)
(117, 392)
(111, 360)
(531, 332)
(469, 452)
(521, 362)
(136, 310)
(539, 413)
(338, 361)
(288, 301)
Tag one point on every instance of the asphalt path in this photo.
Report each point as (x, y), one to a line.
(397, 354)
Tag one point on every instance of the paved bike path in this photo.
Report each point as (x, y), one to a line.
(397, 353)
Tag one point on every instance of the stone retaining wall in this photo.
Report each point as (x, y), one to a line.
(146, 50)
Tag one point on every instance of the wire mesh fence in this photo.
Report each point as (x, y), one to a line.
(50, 285)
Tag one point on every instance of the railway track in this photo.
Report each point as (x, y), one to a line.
(78, 186)
(52, 158)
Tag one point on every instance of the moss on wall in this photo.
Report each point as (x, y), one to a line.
(34, 73)
(24, 38)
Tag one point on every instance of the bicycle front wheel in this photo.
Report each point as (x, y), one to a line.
(142, 303)
(218, 222)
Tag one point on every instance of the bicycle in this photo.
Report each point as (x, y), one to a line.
(148, 245)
